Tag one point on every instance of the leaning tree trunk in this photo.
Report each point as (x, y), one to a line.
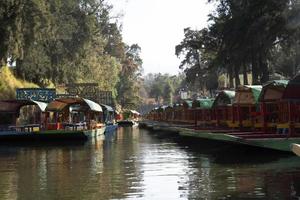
(236, 76)
(230, 74)
(264, 68)
(245, 76)
(254, 69)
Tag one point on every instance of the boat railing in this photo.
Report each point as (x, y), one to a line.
(75, 126)
(4, 128)
(24, 128)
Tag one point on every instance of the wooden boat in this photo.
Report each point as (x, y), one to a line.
(222, 107)
(289, 109)
(23, 120)
(62, 119)
(245, 103)
(296, 148)
(258, 139)
(202, 112)
(75, 114)
(267, 118)
(188, 113)
(178, 112)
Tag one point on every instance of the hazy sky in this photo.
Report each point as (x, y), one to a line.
(157, 26)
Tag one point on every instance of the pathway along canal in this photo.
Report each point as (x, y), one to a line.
(138, 164)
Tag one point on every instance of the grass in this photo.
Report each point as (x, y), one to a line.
(9, 83)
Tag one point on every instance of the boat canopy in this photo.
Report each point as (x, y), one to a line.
(135, 112)
(247, 94)
(292, 91)
(161, 108)
(224, 98)
(203, 103)
(108, 108)
(177, 106)
(61, 103)
(13, 106)
(187, 103)
(169, 108)
(273, 90)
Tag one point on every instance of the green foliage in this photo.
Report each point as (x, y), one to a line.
(8, 91)
(129, 84)
(243, 36)
(163, 86)
(168, 93)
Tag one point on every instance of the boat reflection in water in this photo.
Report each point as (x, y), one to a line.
(136, 164)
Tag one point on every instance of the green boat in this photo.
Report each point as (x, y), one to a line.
(296, 149)
(274, 141)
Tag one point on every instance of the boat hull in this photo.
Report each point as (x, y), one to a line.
(280, 143)
(127, 123)
(296, 149)
(50, 135)
(110, 128)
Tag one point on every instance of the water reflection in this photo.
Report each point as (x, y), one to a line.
(137, 164)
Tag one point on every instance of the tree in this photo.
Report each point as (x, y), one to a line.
(243, 36)
(129, 84)
(168, 93)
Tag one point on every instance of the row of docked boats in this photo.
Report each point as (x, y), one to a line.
(70, 118)
(265, 116)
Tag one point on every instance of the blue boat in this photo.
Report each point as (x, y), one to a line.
(109, 119)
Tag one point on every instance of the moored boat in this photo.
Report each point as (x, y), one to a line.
(62, 119)
(296, 148)
(129, 118)
(75, 114)
(109, 119)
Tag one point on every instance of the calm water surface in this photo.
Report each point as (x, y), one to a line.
(138, 164)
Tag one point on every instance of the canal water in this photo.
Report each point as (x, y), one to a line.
(138, 164)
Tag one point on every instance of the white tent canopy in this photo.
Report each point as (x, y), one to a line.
(60, 104)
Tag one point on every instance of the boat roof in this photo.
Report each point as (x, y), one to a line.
(107, 107)
(134, 112)
(242, 94)
(169, 107)
(292, 90)
(224, 97)
(15, 105)
(161, 108)
(273, 90)
(203, 103)
(61, 103)
(187, 103)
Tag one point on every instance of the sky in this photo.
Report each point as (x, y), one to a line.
(157, 27)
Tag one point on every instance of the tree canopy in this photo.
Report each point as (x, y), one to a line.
(257, 37)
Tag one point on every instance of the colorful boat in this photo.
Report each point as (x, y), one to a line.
(270, 97)
(274, 141)
(202, 112)
(75, 114)
(222, 108)
(62, 119)
(245, 103)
